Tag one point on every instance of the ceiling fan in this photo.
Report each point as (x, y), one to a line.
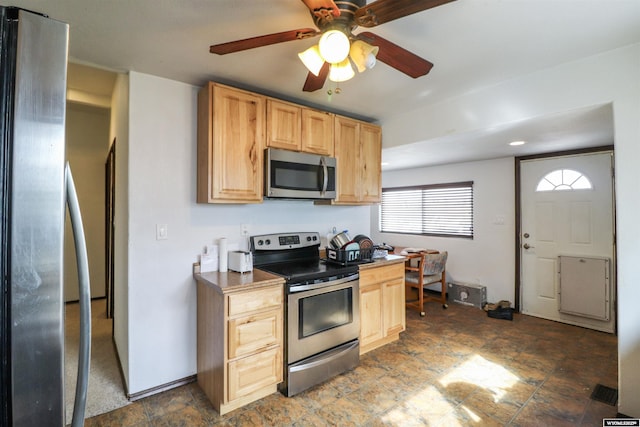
(338, 47)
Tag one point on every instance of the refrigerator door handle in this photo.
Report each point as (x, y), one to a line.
(85, 301)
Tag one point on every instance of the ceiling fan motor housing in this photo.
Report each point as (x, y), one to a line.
(344, 21)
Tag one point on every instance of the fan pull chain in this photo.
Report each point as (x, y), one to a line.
(337, 91)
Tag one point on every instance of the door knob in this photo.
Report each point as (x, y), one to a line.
(527, 246)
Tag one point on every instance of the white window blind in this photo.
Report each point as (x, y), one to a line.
(436, 210)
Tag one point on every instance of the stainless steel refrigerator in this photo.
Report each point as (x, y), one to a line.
(35, 187)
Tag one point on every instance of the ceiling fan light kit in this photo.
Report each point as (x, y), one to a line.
(312, 59)
(363, 55)
(339, 47)
(341, 72)
(334, 46)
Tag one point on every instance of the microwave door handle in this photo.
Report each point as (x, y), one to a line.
(325, 174)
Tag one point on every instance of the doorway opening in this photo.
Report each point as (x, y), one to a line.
(88, 127)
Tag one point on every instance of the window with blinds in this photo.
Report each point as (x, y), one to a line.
(433, 210)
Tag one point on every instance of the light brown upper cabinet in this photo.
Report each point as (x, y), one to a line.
(358, 150)
(284, 125)
(231, 134)
(297, 128)
(370, 163)
(317, 132)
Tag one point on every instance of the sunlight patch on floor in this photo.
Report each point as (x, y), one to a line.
(430, 406)
(482, 373)
(427, 405)
(472, 415)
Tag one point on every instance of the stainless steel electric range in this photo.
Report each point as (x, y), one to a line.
(322, 314)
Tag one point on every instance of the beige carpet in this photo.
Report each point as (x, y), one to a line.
(106, 391)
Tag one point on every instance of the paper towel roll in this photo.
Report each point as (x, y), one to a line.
(222, 251)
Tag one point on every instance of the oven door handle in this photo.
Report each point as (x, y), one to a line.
(338, 353)
(302, 288)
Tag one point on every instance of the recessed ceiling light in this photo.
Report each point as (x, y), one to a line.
(514, 143)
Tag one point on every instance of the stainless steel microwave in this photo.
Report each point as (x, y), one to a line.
(294, 175)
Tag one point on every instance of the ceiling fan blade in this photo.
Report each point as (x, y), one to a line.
(266, 40)
(397, 57)
(314, 82)
(382, 11)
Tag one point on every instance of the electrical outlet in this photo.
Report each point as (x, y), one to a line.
(244, 229)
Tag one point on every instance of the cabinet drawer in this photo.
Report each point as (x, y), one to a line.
(251, 333)
(254, 372)
(381, 274)
(242, 303)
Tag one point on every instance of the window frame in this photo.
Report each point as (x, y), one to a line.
(451, 185)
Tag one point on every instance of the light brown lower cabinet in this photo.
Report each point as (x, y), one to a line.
(382, 305)
(239, 344)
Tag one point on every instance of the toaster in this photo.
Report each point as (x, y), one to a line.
(240, 261)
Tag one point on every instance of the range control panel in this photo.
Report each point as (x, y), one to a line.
(283, 241)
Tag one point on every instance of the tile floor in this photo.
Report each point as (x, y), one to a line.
(455, 367)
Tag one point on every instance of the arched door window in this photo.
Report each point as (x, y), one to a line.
(564, 179)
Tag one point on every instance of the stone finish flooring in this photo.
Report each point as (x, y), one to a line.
(454, 367)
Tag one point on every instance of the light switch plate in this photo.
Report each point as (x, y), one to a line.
(162, 232)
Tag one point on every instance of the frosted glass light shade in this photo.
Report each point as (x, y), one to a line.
(334, 46)
(312, 60)
(341, 72)
(363, 55)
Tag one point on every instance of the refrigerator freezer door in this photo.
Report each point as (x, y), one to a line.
(37, 197)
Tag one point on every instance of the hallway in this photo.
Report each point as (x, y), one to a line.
(106, 391)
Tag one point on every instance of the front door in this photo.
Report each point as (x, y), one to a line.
(567, 214)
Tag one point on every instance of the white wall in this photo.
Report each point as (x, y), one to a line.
(120, 132)
(162, 188)
(87, 137)
(489, 258)
(611, 77)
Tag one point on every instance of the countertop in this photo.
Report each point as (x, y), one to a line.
(379, 262)
(231, 281)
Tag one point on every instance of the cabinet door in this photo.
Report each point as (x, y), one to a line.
(238, 143)
(371, 159)
(283, 125)
(254, 332)
(394, 307)
(252, 373)
(347, 152)
(317, 132)
(371, 320)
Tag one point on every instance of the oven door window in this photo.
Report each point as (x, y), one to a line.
(325, 311)
(298, 176)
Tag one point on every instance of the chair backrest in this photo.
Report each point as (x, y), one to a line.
(434, 263)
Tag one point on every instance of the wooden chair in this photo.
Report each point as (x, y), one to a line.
(430, 269)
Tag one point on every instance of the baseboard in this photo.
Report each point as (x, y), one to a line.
(149, 392)
(76, 301)
(122, 377)
(159, 389)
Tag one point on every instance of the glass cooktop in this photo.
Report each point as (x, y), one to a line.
(308, 270)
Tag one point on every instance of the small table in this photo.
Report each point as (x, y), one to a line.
(411, 255)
